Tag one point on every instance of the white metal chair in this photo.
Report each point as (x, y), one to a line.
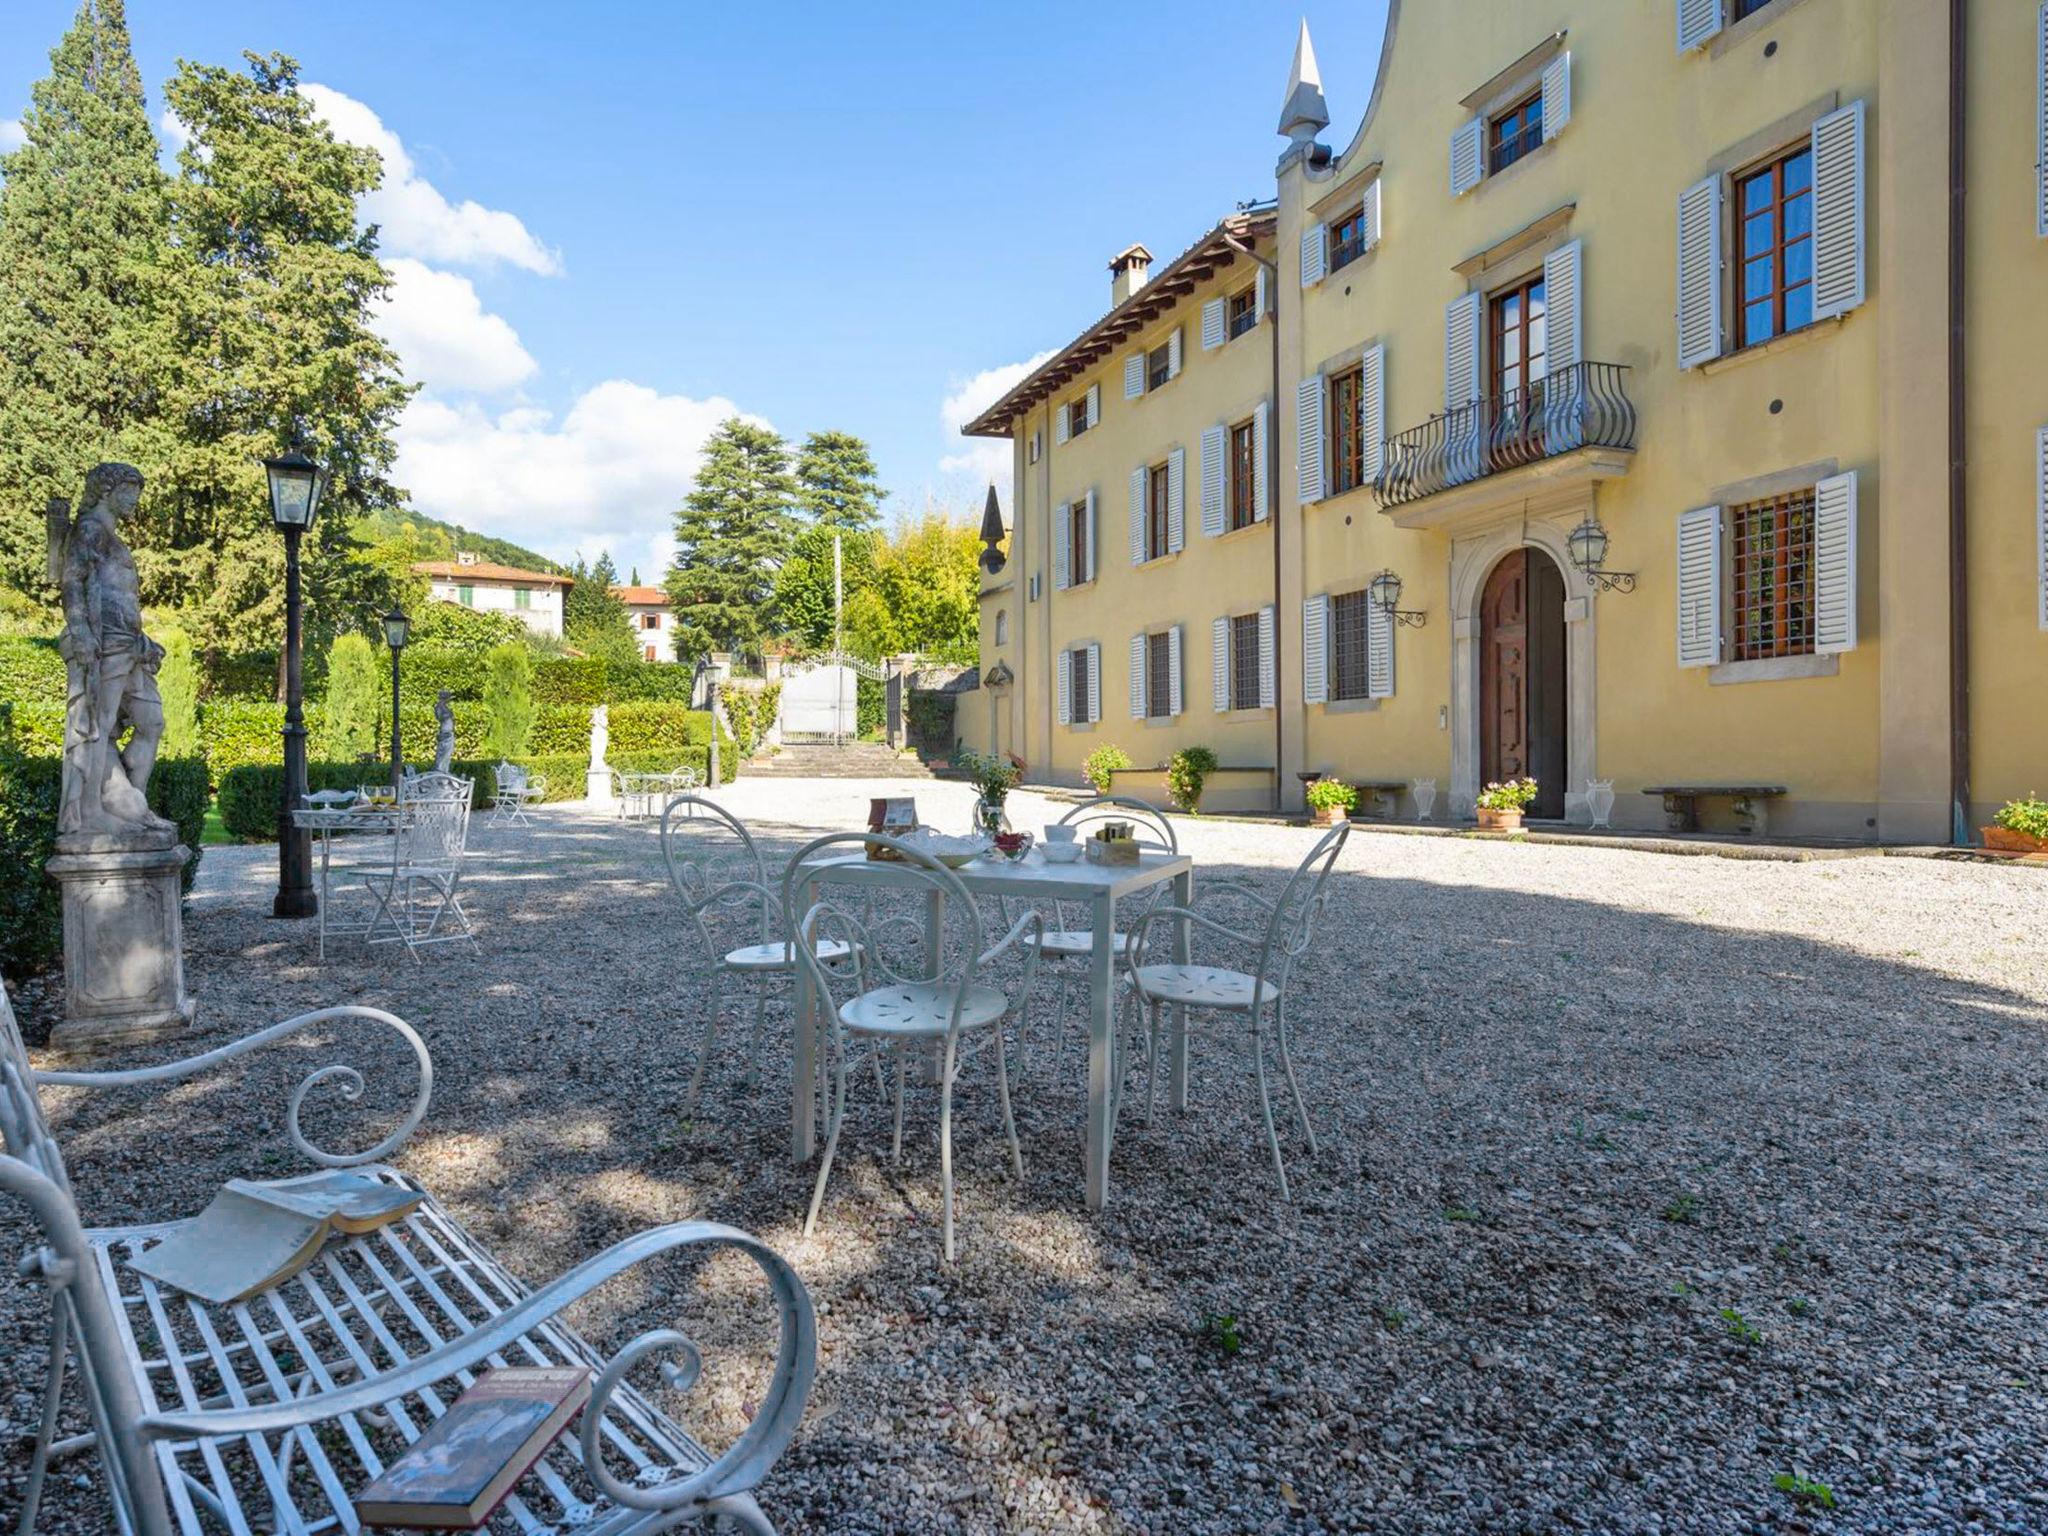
(1244, 997)
(269, 1414)
(513, 790)
(641, 796)
(420, 892)
(934, 1004)
(436, 786)
(722, 881)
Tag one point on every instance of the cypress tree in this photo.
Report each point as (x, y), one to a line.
(594, 616)
(835, 481)
(732, 533)
(82, 242)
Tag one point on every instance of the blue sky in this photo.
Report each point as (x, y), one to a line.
(615, 223)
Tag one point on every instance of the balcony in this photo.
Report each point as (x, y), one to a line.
(1576, 424)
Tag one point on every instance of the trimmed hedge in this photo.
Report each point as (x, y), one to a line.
(645, 726)
(589, 680)
(31, 906)
(31, 671)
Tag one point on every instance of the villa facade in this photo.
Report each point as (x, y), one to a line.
(1616, 343)
(654, 626)
(532, 597)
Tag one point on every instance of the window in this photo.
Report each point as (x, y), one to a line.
(1513, 133)
(466, 596)
(1244, 476)
(1737, 9)
(1348, 679)
(650, 621)
(522, 597)
(1774, 577)
(1037, 443)
(1347, 431)
(1519, 336)
(1002, 626)
(1159, 365)
(1347, 238)
(1077, 685)
(1077, 416)
(650, 653)
(1080, 548)
(1244, 311)
(1157, 520)
(1244, 661)
(1775, 205)
(1159, 675)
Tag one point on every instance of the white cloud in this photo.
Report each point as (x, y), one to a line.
(444, 335)
(412, 215)
(12, 135)
(982, 460)
(608, 475)
(173, 128)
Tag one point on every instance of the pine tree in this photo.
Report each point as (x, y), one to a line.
(82, 237)
(508, 695)
(272, 285)
(732, 533)
(835, 480)
(349, 718)
(594, 616)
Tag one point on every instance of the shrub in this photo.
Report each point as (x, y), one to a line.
(37, 729)
(569, 680)
(177, 680)
(251, 676)
(237, 731)
(1514, 795)
(1101, 766)
(589, 680)
(870, 705)
(750, 711)
(1332, 795)
(350, 714)
(508, 695)
(31, 671)
(931, 717)
(2029, 816)
(635, 726)
(1186, 772)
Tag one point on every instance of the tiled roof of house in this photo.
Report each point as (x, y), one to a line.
(484, 570)
(643, 597)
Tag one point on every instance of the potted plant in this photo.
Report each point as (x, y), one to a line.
(993, 779)
(1500, 806)
(1186, 772)
(1101, 766)
(2020, 827)
(1331, 799)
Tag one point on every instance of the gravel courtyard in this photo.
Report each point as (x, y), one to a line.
(1643, 1181)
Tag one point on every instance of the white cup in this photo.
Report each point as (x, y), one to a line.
(1059, 832)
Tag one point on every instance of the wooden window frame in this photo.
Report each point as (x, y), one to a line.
(1077, 686)
(1345, 427)
(1241, 476)
(1244, 661)
(1772, 573)
(1514, 132)
(1241, 312)
(1348, 610)
(1347, 238)
(1077, 417)
(1776, 252)
(1080, 554)
(1159, 675)
(1158, 512)
(1159, 367)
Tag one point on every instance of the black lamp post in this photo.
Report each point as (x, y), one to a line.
(295, 486)
(397, 629)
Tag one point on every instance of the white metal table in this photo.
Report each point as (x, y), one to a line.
(326, 823)
(1097, 886)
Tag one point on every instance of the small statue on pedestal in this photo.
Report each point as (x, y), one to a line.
(444, 734)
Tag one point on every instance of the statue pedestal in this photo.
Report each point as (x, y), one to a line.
(124, 943)
(597, 785)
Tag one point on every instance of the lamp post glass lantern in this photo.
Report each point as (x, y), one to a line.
(1587, 545)
(397, 630)
(1384, 593)
(296, 484)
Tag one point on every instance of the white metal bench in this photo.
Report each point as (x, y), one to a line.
(269, 1415)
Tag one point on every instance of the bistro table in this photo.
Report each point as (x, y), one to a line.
(1096, 886)
(326, 822)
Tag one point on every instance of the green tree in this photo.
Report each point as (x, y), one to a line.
(925, 596)
(83, 339)
(508, 695)
(803, 586)
(835, 481)
(594, 616)
(355, 693)
(177, 683)
(273, 283)
(734, 529)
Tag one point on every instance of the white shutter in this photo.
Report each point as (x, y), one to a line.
(1314, 255)
(1138, 515)
(1092, 554)
(1259, 292)
(1369, 214)
(1094, 406)
(1173, 354)
(1219, 664)
(1268, 673)
(1062, 556)
(1372, 401)
(1315, 651)
(1065, 688)
(1308, 439)
(1173, 671)
(1137, 677)
(1557, 95)
(1564, 399)
(1699, 272)
(2041, 124)
(1094, 683)
(1134, 375)
(1262, 479)
(1379, 651)
(2041, 513)
(1213, 513)
(1214, 333)
(1838, 256)
(1698, 20)
(1061, 425)
(1699, 587)
(1834, 565)
(1461, 388)
(1466, 167)
(1176, 500)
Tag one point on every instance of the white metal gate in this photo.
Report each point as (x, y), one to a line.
(820, 704)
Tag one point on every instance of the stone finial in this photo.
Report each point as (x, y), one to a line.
(1305, 113)
(992, 534)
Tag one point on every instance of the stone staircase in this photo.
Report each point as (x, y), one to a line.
(855, 760)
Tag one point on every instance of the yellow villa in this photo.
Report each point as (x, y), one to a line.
(1646, 399)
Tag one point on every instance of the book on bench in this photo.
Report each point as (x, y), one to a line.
(458, 1472)
(257, 1233)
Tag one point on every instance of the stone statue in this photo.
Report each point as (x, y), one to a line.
(444, 734)
(110, 668)
(600, 736)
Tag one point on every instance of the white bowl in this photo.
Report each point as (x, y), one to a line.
(1061, 832)
(1061, 853)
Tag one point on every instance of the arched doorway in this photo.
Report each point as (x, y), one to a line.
(1522, 683)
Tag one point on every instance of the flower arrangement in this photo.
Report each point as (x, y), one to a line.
(2028, 817)
(992, 777)
(1514, 795)
(1101, 766)
(1332, 795)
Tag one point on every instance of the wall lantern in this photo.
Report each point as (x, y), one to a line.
(1588, 546)
(1384, 592)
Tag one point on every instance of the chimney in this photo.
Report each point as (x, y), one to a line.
(1127, 269)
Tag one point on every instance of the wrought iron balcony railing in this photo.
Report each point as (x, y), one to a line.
(1583, 406)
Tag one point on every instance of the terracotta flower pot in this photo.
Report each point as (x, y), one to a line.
(1326, 815)
(2005, 840)
(1499, 821)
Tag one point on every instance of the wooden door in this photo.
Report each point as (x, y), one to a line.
(1522, 710)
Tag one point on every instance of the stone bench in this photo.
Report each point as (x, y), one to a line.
(1682, 803)
(1386, 795)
